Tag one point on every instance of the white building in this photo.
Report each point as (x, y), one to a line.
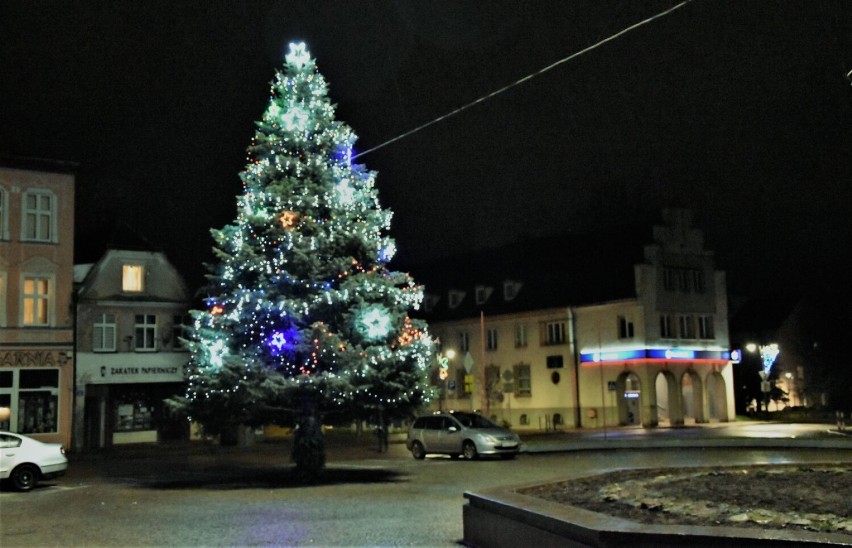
(628, 328)
(131, 306)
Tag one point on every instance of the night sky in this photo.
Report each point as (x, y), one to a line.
(739, 110)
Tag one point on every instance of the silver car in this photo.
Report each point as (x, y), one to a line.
(460, 433)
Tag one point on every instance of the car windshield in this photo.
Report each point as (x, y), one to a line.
(472, 420)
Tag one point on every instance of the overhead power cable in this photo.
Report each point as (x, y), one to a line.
(525, 78)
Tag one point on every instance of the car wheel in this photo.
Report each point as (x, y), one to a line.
(469, 450)
(417, 450)
(24, 477)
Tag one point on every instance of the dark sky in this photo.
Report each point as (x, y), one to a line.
(739, 110)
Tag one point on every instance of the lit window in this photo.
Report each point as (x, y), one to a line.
(146, 333)
(38, 216)
(36, 301)
(131, 277)
(103, 333)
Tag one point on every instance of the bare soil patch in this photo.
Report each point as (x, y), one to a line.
(794, 497)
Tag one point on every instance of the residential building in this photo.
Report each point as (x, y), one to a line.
(36, 286)
(131, 308)
(627, 327)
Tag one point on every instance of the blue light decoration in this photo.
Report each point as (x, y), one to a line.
(282, 341)
(654, 354)
(769, 354)
(374, 322)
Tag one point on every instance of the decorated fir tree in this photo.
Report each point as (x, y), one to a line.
(304, 319)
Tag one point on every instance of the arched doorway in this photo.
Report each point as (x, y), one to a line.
(691, 396)
(630, 399)
(717, 399)
(668, 406)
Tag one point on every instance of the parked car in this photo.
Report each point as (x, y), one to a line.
(460, 433)
(25, 461)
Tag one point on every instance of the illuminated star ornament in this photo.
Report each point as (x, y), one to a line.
(295, 119)
(288, 219)
(298, 54)
(374, 322)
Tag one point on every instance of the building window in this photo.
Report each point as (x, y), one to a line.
(666, 327)
(146, 333)
(510, 289)
(132, 276)
(38, 401)
(520, 335)
(36, 299)
(698, 281)
(554, 333)
(555, 362)
(179, 327)
(454, 298)
(482, 293)
(491, 340)
(4, 214)
(429, 302)
(464, 341)
(625, 328)
(39, 216)
(3, 293)
(133, 410)
(687, 327)
(705, 327)
(669, 279)
(686, 280)
(523, 380)
(103, 333)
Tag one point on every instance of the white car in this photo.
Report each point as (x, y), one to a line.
(25, 461)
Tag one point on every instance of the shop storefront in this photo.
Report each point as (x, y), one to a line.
(35, 393)
(119, 403)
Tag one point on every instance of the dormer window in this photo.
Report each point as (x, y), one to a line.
(132, 276)
(429, 302)
(482, 293)
(455, 298)
(510, 289)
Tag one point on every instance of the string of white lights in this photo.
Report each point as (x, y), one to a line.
(525, 78)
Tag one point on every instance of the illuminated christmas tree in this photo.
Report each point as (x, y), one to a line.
(304, 319)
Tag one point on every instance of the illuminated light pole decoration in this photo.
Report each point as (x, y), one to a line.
(303, 312)
(768, 355)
